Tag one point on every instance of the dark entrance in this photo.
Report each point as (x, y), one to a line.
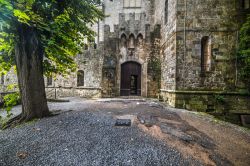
(130, 79)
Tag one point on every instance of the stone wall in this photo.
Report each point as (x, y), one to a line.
(211, 19)
(220, 102)
(90, 62)
(8, 79)
(193, 86)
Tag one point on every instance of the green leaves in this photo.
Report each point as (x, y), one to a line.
(62, 26)
(11, 100)
(22, 16)
(244, 52)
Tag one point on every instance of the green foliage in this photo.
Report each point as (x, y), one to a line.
(219, 99)
(244, 52)
(11, 100)
(61, 25)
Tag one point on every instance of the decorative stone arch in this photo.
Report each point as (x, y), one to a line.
(123, 34)
(80, 78)
(139, 39)
(123, 40)
(131, 41)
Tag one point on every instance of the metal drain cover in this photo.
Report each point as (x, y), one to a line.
(123, 122)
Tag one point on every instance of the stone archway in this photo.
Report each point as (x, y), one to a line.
(131, 79)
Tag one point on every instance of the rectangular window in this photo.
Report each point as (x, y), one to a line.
(138, 3)
(131, 3)
(2, 79)
(49, 80)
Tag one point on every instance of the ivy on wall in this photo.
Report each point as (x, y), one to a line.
(244, 53)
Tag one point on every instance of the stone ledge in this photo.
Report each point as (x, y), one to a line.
(84, 88)
(205, 92)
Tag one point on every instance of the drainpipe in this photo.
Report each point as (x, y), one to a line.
(98, 31)
(184, 38)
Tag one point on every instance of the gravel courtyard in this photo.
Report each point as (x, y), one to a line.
(84, 133)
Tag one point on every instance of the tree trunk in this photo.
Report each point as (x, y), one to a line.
(29, 58)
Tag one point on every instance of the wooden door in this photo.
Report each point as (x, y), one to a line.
(130, 79)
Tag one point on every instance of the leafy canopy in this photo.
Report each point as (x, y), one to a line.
(61, 25)
(244, 52)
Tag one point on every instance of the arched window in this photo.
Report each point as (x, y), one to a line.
(131, 41)
(80, 78)
(166, 11)
(49, 80)
(140, 40)
(206, 56)
(123, 40)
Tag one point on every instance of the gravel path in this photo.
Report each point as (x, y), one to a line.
(84, 134)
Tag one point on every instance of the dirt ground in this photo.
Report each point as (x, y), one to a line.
(208, 140)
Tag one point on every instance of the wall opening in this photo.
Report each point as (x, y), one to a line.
(123, 42)
(131, 41)
(206, 56)
(2, 79)
(49, 80)
(166, 11)
(139, 40)
(130, 79)
(80, 78)
(131, 3)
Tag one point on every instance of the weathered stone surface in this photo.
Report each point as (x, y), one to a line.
(166, 39)
(123, 122)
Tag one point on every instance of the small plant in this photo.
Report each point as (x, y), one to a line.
(12, 99)
(219, 99)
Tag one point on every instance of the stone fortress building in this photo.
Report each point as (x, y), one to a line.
(180, 51)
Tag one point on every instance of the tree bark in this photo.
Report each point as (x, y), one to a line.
(29, 58)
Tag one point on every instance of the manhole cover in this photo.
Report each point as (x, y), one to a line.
(123, 122)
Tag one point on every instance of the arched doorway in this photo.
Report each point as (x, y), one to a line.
(130, 79)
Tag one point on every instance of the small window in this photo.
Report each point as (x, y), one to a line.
(2, 79)
(166, 12)
(131, 41)
(206, 55)
(131, 3)
(80, 78)
(95, 46)
(49, 80)
(140, 40)
(123, 41)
